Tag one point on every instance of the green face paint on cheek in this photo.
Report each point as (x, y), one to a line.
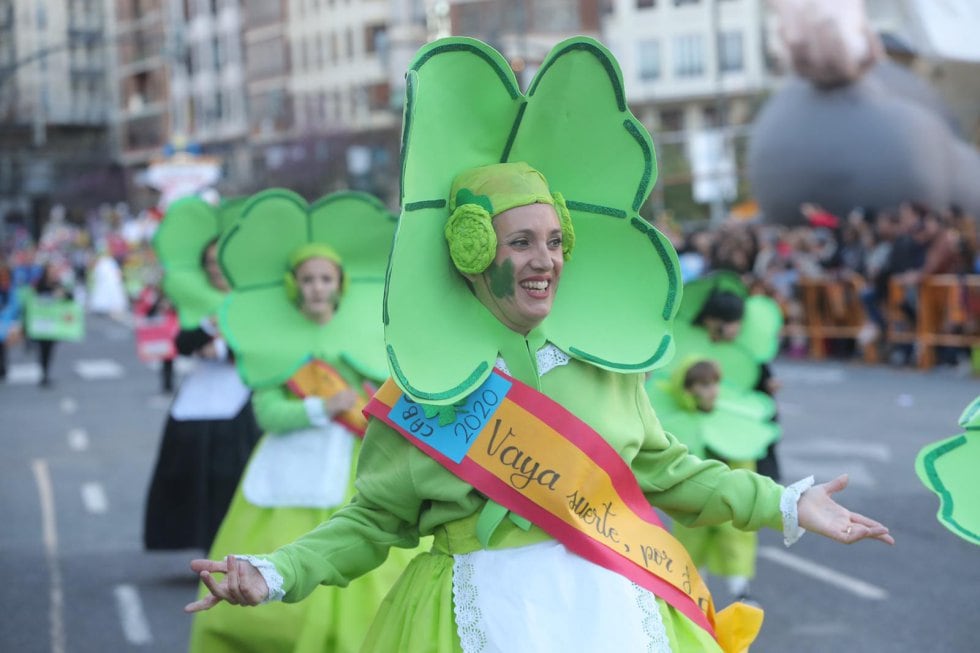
(501, 279)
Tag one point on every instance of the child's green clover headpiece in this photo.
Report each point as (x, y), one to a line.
(480, 194)
(188, 227)
(464, 111)
(949, 468)
(278, 230)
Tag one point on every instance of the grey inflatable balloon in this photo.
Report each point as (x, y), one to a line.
(966, 178)
(856, 145)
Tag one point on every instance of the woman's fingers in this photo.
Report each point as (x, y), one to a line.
(233, 581)
(205, 603)
(212, 566)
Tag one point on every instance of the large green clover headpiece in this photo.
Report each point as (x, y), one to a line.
(270, 336)
(618, 294)
(757, 341)
(949, 468)
(188, 226)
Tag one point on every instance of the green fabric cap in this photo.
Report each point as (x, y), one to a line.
(500, 187)
(313, 250)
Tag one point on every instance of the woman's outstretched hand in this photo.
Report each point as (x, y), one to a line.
(242, 584)
(819, 513)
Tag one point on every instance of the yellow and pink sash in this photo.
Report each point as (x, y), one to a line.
(526, 452)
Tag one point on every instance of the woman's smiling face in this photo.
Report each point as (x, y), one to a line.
(519, 286)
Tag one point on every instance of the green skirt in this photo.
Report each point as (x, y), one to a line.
(331, 619)
(418, 614)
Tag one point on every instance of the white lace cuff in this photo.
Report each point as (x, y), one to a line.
(273, 579)
(788, 506)
(316, 411)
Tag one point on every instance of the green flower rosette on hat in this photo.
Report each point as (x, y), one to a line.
(620, 288)
(756, 343)
(949, 468)
(188, 226)
(265, 328)
(739, 428)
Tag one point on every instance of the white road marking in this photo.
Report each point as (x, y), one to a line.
(94, 498)
(99, 368)
(78, 439)
(881, 453)
(23, 374)
(134, 624)
(49, 531)
(821, 573)
(857, 472)
(69, 405)
(811, 375)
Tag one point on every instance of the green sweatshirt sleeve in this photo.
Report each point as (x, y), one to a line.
(699, 492)
(356, 539)
(278, 411)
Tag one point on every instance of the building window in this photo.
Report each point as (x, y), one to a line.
(374, 38)
(379, 96)
(349, 43)
(671, 120)
(689, 55)
(730, 58)
(646, 4)
(649, 59)
(320, 50)
(681, 3)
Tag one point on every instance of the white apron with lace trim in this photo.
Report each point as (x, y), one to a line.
(212, 391)
(543, 599)
(306, 468)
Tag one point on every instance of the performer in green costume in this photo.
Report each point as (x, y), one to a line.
(484, 239)
(303, 319)
(949, 468)
(210, 429)
(732, 426)
(719, 320)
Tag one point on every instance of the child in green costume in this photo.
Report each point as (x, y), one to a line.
(709, 425)
(481, 250)
(309, 388)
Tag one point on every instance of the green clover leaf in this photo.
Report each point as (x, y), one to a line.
(269, 334)
(618, 294)
(188, 226)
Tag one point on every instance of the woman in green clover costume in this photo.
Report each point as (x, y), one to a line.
(718, 319)
(304, 321)
(716, 421)
(210, 429)
(493, 181)
(949, 468)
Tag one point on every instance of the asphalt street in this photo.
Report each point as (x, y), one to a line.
(77, 459)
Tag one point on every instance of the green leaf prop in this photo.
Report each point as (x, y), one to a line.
(757, 341)
(739, 429)
(621, 288)
(949, 468)
(270, 336)
(188, 226)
